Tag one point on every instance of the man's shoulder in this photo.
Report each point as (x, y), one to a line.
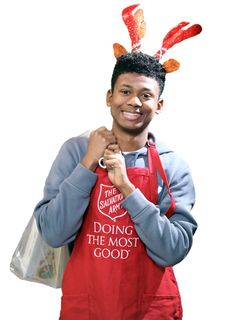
(170, 159)
(162, 147)
(74, 147)
(79, 141)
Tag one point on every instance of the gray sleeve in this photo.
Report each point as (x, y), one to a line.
(59, 214)
(167, 241)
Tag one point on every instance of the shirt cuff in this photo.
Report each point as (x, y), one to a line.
(135, 203)
(84, 175)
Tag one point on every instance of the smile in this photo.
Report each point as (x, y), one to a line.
(131, 115)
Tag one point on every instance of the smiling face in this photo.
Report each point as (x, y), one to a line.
(133, 102)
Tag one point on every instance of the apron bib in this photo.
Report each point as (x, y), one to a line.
(109, 275)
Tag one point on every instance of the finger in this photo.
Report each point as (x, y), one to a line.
(108, 153)
(118, 158)
(104, 132)
(114, 147)
(107, 135)
(114, 161)
(111, 139)
(111, 164)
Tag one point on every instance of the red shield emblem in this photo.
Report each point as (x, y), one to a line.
(109, 201)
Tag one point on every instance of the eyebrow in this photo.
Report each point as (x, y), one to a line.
(130, 87)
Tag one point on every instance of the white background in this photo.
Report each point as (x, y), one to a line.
(56, 60)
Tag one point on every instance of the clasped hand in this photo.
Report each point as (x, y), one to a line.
(115, 164)
(102, 143)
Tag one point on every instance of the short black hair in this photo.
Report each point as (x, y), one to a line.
(138, 62)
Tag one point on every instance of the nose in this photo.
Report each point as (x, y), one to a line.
(134, 101)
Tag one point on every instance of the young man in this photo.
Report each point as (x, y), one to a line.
(129, 219)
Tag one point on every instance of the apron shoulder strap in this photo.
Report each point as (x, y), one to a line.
(157, 165)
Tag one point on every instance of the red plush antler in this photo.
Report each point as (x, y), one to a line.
(176, 35)
(134, 20)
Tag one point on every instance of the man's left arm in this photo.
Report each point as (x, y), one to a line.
(167, 241)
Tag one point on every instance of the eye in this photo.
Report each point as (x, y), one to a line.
(125, 92)
(146, 96)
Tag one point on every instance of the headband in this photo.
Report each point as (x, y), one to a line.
(134, 21)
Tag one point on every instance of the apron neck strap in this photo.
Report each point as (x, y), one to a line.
(154, 163)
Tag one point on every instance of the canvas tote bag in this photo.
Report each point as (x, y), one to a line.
(34, 260)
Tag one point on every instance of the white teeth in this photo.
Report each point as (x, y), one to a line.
(131, 116)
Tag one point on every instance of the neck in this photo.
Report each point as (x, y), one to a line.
(130, 142)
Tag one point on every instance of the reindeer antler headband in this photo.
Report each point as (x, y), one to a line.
(134, 20)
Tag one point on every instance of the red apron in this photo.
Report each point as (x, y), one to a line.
(109, 275)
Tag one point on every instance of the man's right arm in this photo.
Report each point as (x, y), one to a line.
(59, 214)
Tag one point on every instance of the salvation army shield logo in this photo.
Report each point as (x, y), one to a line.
(109, 202)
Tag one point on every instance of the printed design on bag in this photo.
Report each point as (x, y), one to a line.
(46, 269)
(109, 202)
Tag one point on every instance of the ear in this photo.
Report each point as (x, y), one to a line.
(160, 104)
(109, 98)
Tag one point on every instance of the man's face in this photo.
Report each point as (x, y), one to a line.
(134, 102)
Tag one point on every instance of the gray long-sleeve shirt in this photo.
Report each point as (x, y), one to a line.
(59, 214)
